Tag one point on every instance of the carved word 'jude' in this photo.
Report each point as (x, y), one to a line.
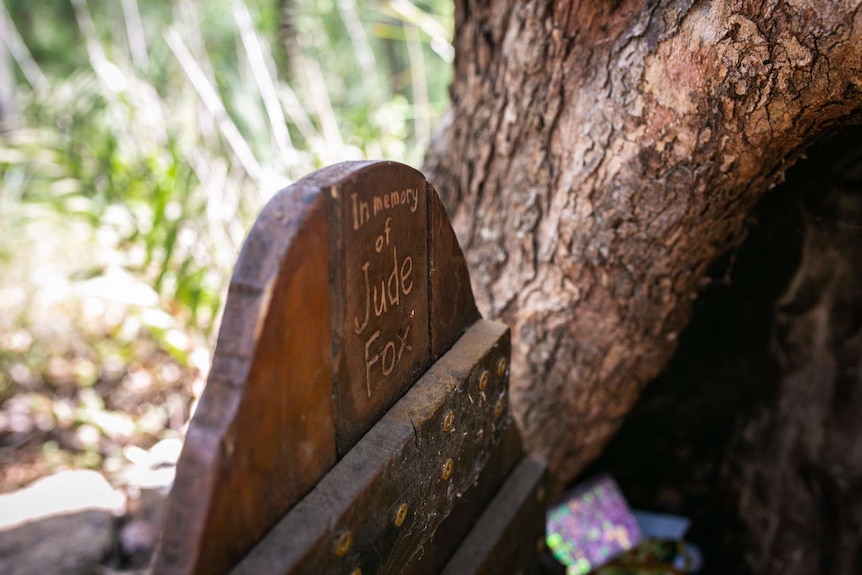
(387, 279)
(393, 285)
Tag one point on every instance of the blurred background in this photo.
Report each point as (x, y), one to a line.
(138, 140)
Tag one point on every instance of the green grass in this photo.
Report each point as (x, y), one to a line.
(150, 135)
(168, 149)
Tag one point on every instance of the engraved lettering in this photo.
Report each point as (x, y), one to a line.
(382, 202)
(394, 295)
(403, 340)
(361, 213)
(389, 347)
(380, 309)
(389, 357)
(356, 326)
(370, 361)
(405, 275)
(386, 334)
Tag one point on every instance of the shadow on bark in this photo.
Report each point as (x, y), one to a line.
(754, 430)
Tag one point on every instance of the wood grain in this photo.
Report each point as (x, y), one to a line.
(433, 556)
(510, 535)
(379, 262)
(329, 303)
(452, 305)
(400, 461)
(271, 378)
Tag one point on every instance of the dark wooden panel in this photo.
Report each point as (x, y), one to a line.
(379, 260)
(433, 556)
(263, 433)
(453, 308)
(510, 535)
(425, 453)
(327, 323)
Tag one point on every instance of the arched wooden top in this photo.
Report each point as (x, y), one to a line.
(351, 283)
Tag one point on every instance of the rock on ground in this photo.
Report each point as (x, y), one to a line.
(61, 524)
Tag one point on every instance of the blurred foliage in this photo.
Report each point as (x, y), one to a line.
(147, 137)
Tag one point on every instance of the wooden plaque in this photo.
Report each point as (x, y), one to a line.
(391, 492)
(379, 263)
(349, 285)
(263, 433)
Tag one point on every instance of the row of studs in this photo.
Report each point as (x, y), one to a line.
(345, 540)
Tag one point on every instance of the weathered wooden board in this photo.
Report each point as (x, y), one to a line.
(270, 379)
(432, 556)
(452, 303)
(401, 292)
(390, 493)
(380, 257)
(510, 535)
(350, 284)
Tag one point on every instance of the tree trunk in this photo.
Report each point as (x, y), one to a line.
(599, 155)
(754, 428)
(796, 467)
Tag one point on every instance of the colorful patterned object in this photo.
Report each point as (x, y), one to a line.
(592, 526)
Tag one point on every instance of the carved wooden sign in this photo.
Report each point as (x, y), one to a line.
(349, 286)
(380, 266)
(377, 510)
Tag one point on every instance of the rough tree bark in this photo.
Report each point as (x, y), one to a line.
(599, 155)
(796, 467)
(754, 428)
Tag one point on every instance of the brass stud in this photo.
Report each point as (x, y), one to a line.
(356, 571)
(483, 381)
(447, 470)
(501, 367)
(448, 420)
(400, 515)
(342, 547)
(501, 405)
